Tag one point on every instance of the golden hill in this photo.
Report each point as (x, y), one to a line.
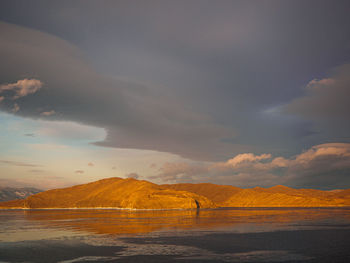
(116, 193)
(276, 196)
(135, 194)
(214, 192)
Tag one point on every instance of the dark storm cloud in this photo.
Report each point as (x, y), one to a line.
(135, 116)
(196, 61)
(326, 102)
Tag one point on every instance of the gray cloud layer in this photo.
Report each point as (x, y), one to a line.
(183, 65)
(134, 115)
(326, 103)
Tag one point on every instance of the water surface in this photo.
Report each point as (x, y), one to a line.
(217, 235)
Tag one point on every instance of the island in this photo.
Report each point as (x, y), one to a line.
(119, 193)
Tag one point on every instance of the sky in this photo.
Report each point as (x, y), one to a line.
(245, 93)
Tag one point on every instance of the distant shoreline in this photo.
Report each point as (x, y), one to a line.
(172, 209)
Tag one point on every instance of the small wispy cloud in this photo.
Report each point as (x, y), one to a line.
(79, 171)
(48, 113)
(36, 171)
(16, 163)
(91, 164)
(317, 83)
(29, 134)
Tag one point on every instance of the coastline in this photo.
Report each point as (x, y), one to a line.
(172, 209)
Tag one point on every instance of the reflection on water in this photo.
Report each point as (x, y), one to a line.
(121, 222)
(195, 235)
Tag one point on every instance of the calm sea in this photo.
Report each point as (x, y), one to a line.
(220, 235)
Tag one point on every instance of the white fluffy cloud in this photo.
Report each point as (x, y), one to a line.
(22, 87)
(19, 89)
(245, 158)
(320, 166)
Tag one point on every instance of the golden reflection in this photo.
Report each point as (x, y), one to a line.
(141, 222)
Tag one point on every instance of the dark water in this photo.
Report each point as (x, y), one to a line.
(222, 235)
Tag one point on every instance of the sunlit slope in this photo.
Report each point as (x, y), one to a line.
(116, 193)
(276, 196)
(214, 192)
(282, 196)
(18, 203)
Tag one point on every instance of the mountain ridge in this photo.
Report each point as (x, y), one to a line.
(113, 193)
(130, 193)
